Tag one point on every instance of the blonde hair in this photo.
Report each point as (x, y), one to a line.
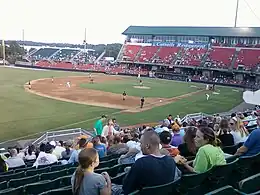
(239, 126)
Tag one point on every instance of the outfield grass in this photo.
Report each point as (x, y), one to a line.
(23, 113)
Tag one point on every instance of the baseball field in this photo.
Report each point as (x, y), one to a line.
(54, 105)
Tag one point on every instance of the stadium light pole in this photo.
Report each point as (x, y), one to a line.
(236, 13)
(3, 45)
(23, 37)
(85, 41)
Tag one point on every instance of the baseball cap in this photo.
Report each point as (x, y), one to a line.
(53, 143)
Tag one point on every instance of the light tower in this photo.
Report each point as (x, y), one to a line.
(236, 13)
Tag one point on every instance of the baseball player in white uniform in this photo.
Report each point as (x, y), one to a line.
(68, 84)
(207, 96)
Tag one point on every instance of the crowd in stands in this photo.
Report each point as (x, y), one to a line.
(148, 156)
(214, 57)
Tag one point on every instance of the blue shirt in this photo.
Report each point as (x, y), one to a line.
(253, 143)
(101, 149)
(74, 158)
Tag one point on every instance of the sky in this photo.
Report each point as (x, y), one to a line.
(65, 20)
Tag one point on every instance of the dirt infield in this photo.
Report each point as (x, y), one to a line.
(60, 91)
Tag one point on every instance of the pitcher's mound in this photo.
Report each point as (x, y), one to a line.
(142, 87)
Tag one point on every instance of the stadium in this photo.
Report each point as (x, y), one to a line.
(187, 76)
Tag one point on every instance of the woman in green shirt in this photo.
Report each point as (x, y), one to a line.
(209, 153)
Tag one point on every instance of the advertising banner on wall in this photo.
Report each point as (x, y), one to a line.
(179, 44)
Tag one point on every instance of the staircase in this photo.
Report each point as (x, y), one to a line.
(31, 53)
(204, 58)
(155, 54)
(138, 54)
(179, 54)
(49, 58)
(234, 59)
(121, 53)
(77, 54)
(99, 57)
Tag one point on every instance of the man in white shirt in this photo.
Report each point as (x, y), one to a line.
(14, 160)
(46, 158)
(58, 149)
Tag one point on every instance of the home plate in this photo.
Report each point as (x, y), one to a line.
(215, 93)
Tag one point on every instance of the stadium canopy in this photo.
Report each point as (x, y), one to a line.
(252, 97)
(193, 31)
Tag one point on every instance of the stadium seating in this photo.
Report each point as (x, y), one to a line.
(147, 53)
(44, 53)
(166, 55)
(65, 54)
(130, 52)
(192, 56)
(248, 57)
(221, 57)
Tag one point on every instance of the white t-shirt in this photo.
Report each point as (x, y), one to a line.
(106, 130)
(15, 162)
(133, 144)
(57, 151)
(45, 159)
(30, 157)
(237, 137)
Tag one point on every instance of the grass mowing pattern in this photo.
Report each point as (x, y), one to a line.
(23, 113)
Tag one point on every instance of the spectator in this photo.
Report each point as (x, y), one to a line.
(165, 138)
(68, 151)
(209, 153)
(30, 154)
(224, 134)
(109, 130)
(3, 165)
(14, 160)
(116, 126)
(74, 156)
(188, 148)
(84, 180)
(117, 147)
(101, 148)
(58, 148)
(20, 153)
(46, 158)
(182, 129)
(252, 145)
(177, 138)
(98, 127)
(168, 121)
(152, 169)
(238, 130)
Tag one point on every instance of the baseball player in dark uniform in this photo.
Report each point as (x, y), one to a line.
(141, 82)
(124, 95)
(92, 80)
(29, 85)
(142, 102)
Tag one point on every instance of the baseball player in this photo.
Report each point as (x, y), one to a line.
(207, 96)
(141, 82)
(68, 84)
(29, 85)
(124, 95)
(139, 76)
(52, 79)
(142, 102)
(92, 80)
(90, 75)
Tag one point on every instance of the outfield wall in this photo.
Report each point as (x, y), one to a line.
(168, 76)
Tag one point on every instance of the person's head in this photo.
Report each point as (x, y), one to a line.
(114, 120)
(189, 137)
(170, 117)
(88, 161)
(103, 117)
(30, 151)
(236, 124)
(205, 135)
(42, 147)
(49, 148)
(233, 115)
(165, 137)
(175, 128)
(110, 122)
(82, 143)
(13, 152)
(215, 127)
(96, 140)
(223, 125)
(150, 142)
(184, 124)
(61, 143)
(117, 139)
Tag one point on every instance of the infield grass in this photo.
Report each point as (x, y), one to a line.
(24, 113)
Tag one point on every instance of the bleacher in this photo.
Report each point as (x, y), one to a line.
(44, 53)
(192, 56)
(166, 55)
(147, 53)
(248, 57)
(52, 178)
(130, 52)
(65, 54)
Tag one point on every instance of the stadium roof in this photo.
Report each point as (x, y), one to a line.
(193, 31)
